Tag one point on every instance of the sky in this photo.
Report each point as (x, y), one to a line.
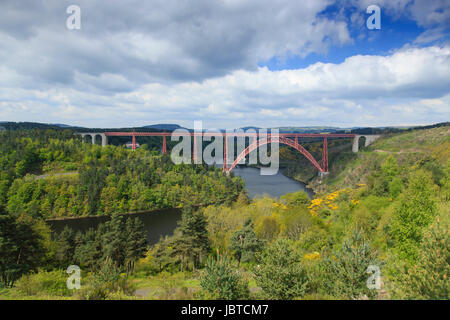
(228, 63)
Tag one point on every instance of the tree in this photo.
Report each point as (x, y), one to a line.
(65, 247)
(296, 199)
(415, 212)
(21, 248)
(390, 168)
(245, 243)
(114, 240)
(191, 241)
(162, 253)
(428, 278)
(268, 227)
(136, 243)
(279, 272)
(345, 273)
(88, 248)
(223, 282)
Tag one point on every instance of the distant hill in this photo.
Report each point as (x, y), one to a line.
(313, 129)
(162, 126)
(171, 127)
(28, 125)
(250, 128)
(61, 125)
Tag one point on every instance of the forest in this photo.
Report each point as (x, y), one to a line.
(49, 174)
(377, 228)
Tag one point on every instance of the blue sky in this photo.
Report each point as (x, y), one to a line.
(229, 63)
(394, 34)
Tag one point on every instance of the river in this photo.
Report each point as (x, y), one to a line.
(162, 222)
(274, 185)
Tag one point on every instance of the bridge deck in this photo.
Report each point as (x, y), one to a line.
(230, 134)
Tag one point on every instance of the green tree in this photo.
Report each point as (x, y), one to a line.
(223, 282)
(245, 243)
(429, 277)
(162, 253)
(345, 273)
(21, 248)
(114, 240)
(268, 228)
(88, 248)
(390, 168)
(279, 272)
(296, 199)
(65, 249)
(191, 241)
(415, 212)
(136, 243)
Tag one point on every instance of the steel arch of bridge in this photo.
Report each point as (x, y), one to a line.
(277, 139)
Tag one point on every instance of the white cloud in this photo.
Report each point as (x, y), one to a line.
(159, 40)
(135, 63)
(410, 86)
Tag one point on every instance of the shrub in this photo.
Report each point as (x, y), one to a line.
(51, 283)
(296, 199)
(345, 273)
(105, 284)
(268, 228)
(416, 211)
(428, 278)
(245, 244)
(279, 272)
(221, 281)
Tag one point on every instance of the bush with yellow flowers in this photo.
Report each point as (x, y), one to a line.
(312, 256)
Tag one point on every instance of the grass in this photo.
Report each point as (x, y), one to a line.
(167, 286)
(14, 294)
(415, 141)
(407, 147)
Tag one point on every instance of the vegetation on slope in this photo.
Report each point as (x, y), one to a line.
(102, 180)
(385, 210)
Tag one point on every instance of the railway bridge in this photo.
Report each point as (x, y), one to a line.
(289, 139)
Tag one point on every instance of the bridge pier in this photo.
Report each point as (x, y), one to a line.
(164, 147)
(325, 154)
(95, 134)
(370, 138)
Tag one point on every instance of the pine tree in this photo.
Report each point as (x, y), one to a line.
(136, 244)
(416, 211)
(245, 243)
(162, 253)
(429, 277)
(21, 248)
(279, 272)
(65, 247)
(88, 251)
(114, 240)
(346, 272)
(191, 241)
(221, 281)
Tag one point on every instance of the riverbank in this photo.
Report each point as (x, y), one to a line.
(162, 222)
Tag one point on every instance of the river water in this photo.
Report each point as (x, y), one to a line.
(274, 185)
(162, 222)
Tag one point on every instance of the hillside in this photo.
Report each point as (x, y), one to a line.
(429, 148)
(386, 206)
(52, 173)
